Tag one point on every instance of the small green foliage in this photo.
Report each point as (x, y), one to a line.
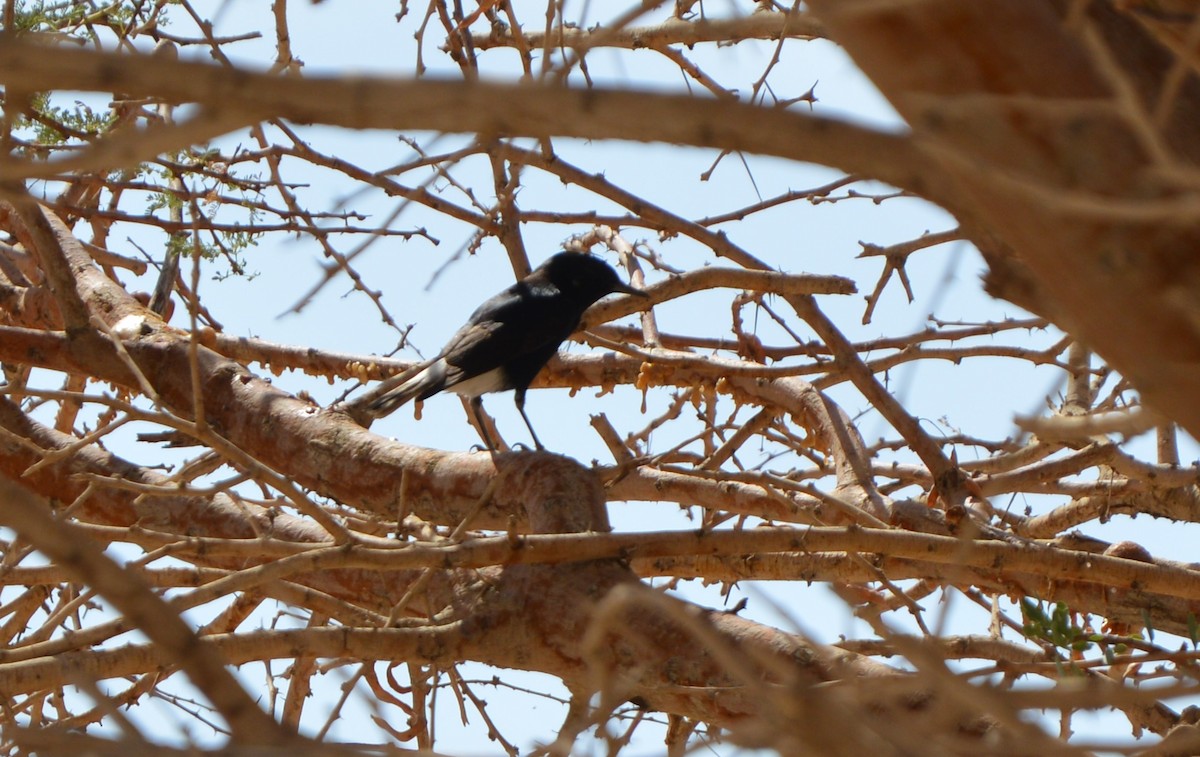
(235, 243)
(1056, 627)
(221, 201)
(72, 124)
(79, 19)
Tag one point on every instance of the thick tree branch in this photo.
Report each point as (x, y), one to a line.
(484, 108)
(1042, 121)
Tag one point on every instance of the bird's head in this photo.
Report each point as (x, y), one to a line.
(587, 277)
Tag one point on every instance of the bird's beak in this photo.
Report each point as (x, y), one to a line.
(626, 289)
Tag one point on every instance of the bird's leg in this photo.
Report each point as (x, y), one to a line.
(476, 410)
(519, 398)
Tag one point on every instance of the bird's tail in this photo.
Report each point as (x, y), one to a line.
(424, 383)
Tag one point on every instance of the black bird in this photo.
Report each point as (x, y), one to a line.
(508, 338)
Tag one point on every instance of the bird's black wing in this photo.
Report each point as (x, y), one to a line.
(520, 321)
